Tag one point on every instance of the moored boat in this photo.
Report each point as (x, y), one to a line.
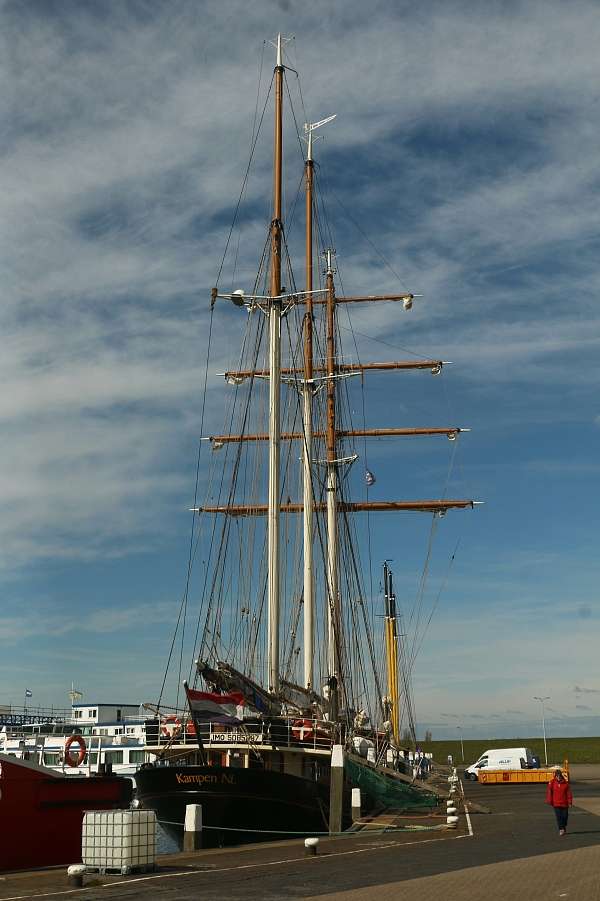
(269, 701)
(41, 812)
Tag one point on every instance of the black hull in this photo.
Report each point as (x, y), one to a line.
(238, 805)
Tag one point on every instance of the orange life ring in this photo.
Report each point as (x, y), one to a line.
(75, 739)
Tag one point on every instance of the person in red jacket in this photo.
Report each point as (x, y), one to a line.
(559, 796)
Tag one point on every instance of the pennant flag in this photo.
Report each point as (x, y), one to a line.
(209, 707)
(28, 693)
(369, 477)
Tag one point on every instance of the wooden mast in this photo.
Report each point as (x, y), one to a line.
(307, 392)
(334, 636)
(275, 387)
(391, 646)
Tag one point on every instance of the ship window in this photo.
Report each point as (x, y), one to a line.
(113, 757)
(51, 758)
(118, 714)
(93, 713)
(92, 758)
(136, 756)
(276, 762)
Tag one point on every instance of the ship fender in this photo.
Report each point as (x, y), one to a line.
(75, 740)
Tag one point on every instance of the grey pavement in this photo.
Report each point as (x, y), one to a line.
(514, 853)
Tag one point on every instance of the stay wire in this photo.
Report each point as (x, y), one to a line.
(245, 181)
(183, 606)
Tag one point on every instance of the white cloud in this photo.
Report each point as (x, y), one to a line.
(125, 144)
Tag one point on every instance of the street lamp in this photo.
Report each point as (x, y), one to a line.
(541, 700)
(462, 747)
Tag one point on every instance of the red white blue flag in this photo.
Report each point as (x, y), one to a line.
(209, 707)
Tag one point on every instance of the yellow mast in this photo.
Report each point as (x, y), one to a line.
(391, 649)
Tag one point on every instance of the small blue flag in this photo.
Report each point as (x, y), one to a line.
(28, 693)
(369, 477)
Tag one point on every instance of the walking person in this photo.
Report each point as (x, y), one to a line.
(560, 797)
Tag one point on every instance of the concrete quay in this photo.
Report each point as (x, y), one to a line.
(513, 853)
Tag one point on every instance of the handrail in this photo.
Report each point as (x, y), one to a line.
(293, 731)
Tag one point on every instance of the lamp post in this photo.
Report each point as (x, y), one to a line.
(541, 700)
(462, 747)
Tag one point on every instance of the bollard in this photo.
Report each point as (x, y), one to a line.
(310, 846)
(452, 822)
(192, 836)
(356, 804)
(336, 789)
(451, 811)
(75, 874)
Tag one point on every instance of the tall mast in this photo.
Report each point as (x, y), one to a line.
(309, 589)
(275, 386)
(334, 636)
(391, 646)
(309, 594)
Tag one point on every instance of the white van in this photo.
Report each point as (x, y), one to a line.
(503, 759)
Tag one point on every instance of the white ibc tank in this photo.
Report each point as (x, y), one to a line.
(119, 839)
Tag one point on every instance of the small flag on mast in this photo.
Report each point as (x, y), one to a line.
(369, 477)
(28, 693)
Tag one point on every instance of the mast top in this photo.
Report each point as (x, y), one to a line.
(329, 255)
(309, 127)
(278, 44)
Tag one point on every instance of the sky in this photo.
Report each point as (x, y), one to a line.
(465, 149)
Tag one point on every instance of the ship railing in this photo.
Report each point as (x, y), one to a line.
(281, 732)
(11, 715)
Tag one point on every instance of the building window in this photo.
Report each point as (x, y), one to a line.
(137, 756)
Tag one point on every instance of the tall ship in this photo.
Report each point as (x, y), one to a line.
(291, 667)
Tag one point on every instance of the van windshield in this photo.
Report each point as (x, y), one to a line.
(482, 762)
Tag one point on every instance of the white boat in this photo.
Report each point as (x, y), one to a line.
(88, 739)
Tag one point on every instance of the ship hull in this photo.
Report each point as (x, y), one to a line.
(41, 812)
(239, 805)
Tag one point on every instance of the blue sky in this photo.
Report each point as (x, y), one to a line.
(466, 146)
